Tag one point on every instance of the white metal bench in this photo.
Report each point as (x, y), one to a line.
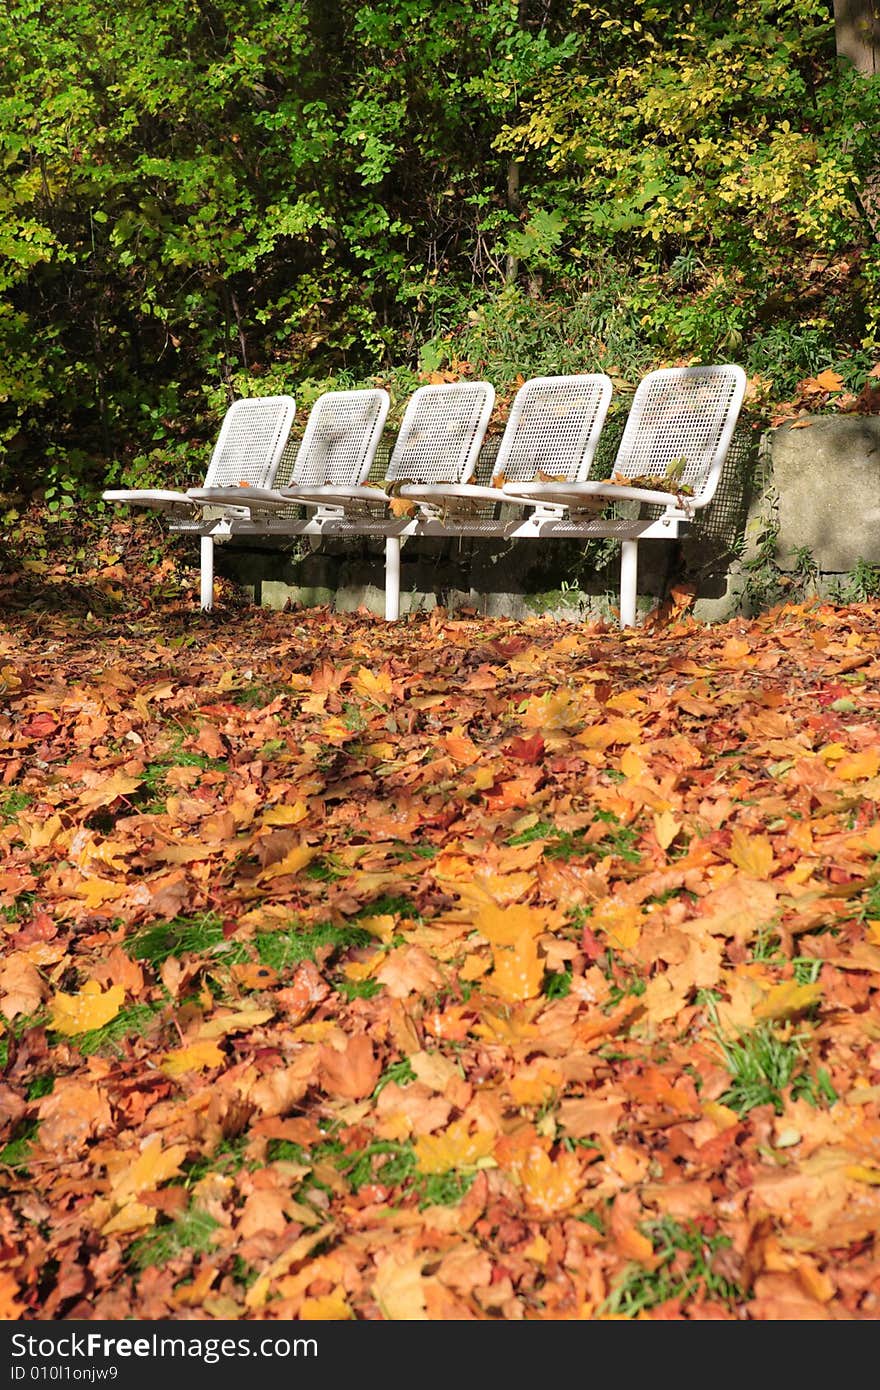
(249, 448)
(667, 466)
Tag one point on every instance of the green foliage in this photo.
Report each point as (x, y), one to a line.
(861, 584)
(200, 203)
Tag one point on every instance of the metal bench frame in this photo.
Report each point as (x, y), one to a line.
(681, 418)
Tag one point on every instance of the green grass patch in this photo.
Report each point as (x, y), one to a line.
(128, 1023)
(625, 980)
(558, 985)
(12, 803)
(406, 853)
(42, 1085)
(16, 1153)
(870, 905)
(357, 989)
(324, 870)
(228, 1158)
(257, 696)
(684, 1270)
(401, 1072)
(764, 1065)
(288, 947)
(388, 1162)
(572, 844)
(390, 906)
(16, 1029)
(151, 795)
(192, 1233)
(21, 908)
(592, 1218)
(200, 935)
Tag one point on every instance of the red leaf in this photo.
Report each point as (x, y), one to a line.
(526, 750)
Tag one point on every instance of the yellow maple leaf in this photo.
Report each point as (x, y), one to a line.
(152, 1165)
(376, 686)
(91, 1008)
(550, 1186)
(399, 1289)
(828, 380)
(632, 764)
(721, 1115)
(199, 1056)
(11, 1307)
(474, 968)
(239, 1021)
(337, 733)
(453, 1149)
(535, 1084)
(327, 1307)
(509, 1029)
(558, 710)
(295, 859)
(108, 789)
(459, 747)
(518, 970)
(96, 891)
(752, 853)
(627, 702)
(382, 926)
(383, 751)
(133, 1216)
(618, 730)
(502, 887)
(858, 767)
(621, 923)
(734, 649)
(41, 834)
(787, 1000)
(398, 506)
(666, 827)
(860, 1173)
(286, 814)
(831, 752)
(504, 926)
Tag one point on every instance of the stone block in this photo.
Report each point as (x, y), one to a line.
(827, 478)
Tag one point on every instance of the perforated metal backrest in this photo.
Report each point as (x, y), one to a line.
(441, 432)
(251, 442)
(683, 412)
(554, 425)
(341, 438)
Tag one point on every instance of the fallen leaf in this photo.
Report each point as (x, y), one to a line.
(91, 1008)
(351, 1072)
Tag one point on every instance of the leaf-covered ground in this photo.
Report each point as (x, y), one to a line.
(454, 969)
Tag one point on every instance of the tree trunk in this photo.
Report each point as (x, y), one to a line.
(857, 33)
(513, 205)
(857, 37)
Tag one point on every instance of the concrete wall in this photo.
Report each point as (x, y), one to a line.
(827, 477)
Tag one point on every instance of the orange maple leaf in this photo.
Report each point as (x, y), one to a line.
(352, 1072)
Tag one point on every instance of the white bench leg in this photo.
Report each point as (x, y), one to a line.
(629, 565)
(207, 572)
(392, 579)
